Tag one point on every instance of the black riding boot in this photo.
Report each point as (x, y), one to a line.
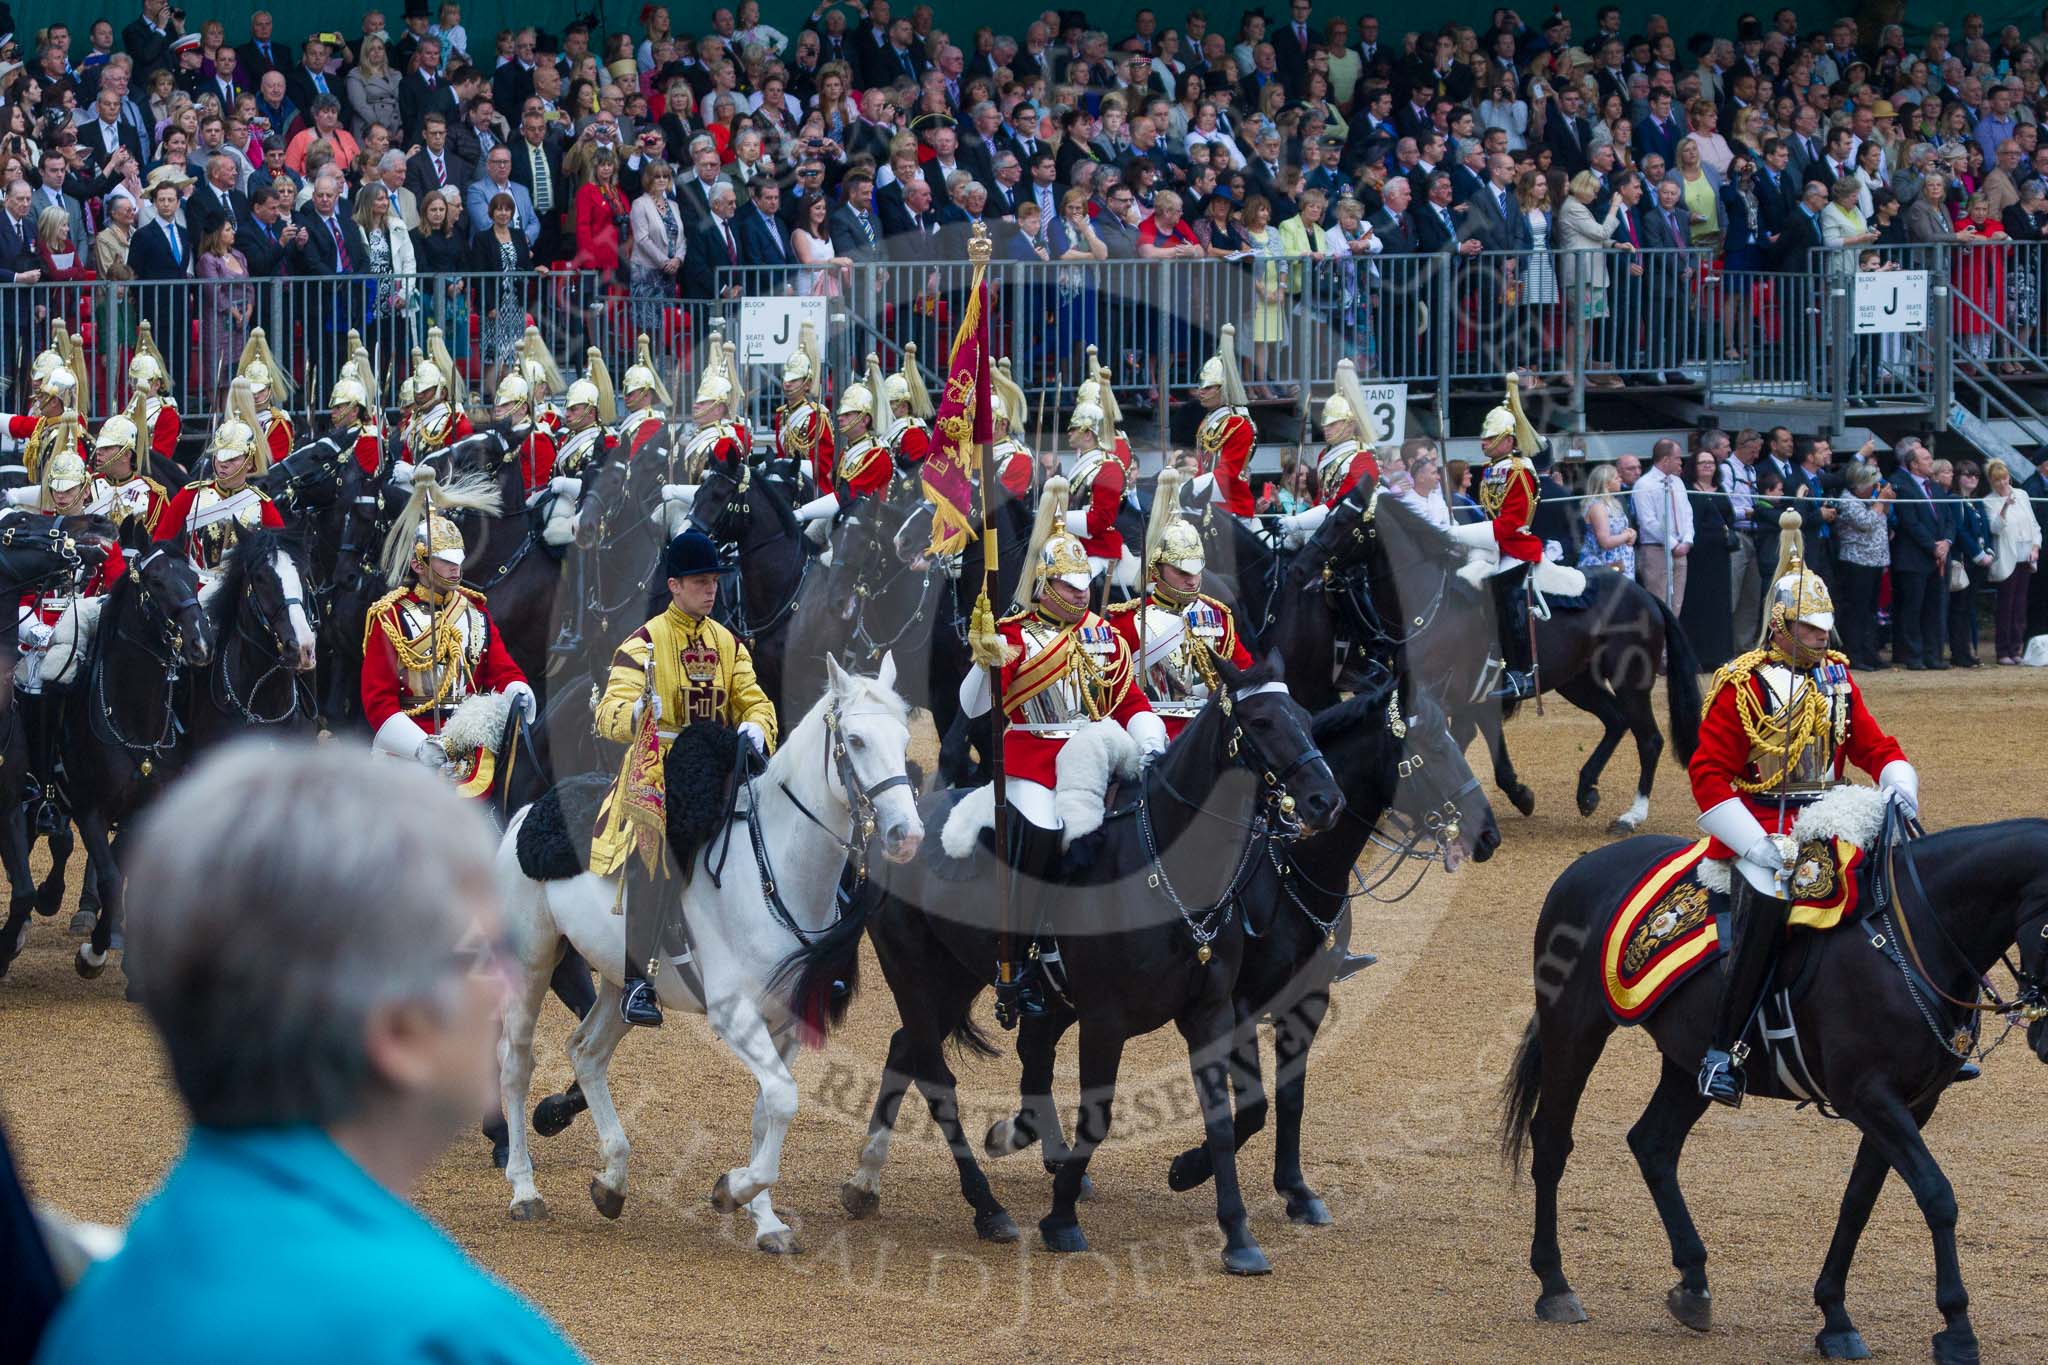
(644, 924)
(1034, 863)
(1758, 924)
(40, 716)
(1511, 620)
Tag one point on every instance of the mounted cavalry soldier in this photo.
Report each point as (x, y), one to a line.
(264, 374)
(207, 518)
(430, 645)
(515, 401)
(1504, 549)
(121, 491)
(586, 443)
(1780, 723)
(1009, 413)
(1226, 436)
(803, 428)
(647, 402)
(437, 420)
(862, 467)
(718, 437)
(1176, 632)
(680, 668)
(1096, 488)
(910, 419)
(1346, 461)
(1062, 668)
(148, 378)
(52, 427)
(350, 410)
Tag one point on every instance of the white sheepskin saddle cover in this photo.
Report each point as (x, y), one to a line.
(1101, 750)
(73, 640)
(1854, 814)
(478, 723)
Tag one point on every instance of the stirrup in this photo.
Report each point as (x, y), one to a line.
(1968, 1071)
(1018, 998)
(1721, 1078)
(1354, 963)
(1514, 686)
(639, 1004)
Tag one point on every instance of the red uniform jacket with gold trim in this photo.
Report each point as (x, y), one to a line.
(1227, 435)
(385, 690)
(1513, 481)
(1032, 756)
(1105, 497)
(1362, 467)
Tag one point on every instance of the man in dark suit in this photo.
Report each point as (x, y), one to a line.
(537, 152)
(1837, 161)
(309, 80)
(713, 245)
(148, 39)
(1660, 288)
(435, 166)
(1660, 132)
(18, 265)
(266, 235)
(512, 82)
(107, 133)
(1774, 190)
(423, 92)
(216, 200)
(856, 229)
(764, 240)
(332, 248)
(874, 65)
(1567, 132)
(1292, 44)
(163, 251)
(1919, 562)
(259, 54)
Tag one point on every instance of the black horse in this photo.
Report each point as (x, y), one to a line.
(265, 644)
(1885, 1017)
(767, 568)
(1149, 932)
(1601, 654)
(1391, 750)
(119, 728)
(878, 594)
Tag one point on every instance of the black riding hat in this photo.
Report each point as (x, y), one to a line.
(689, 554)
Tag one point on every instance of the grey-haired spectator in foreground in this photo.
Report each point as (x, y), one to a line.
(330, 1012)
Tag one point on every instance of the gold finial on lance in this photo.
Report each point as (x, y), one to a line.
(980, 246)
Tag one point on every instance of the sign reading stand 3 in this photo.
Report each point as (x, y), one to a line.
(1891, 301)
(770, 326)
(1388, 404)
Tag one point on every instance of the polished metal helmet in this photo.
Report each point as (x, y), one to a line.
(117, 432)
(583, 394)
(64, 472)
(1064, 558)
(1180, 545)
(513, 388)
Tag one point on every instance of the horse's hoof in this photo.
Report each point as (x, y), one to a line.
(1190, 1170)
(1563, 1307)
(82, 923)
(1842, 1345)
(1692, 1309)
(721, 1195)
(500, 1154)
(1246, 1261)
(857, 1202)
(89, 963)
(1308, 1211)
(1589, 800)
(1061, 1237)
(610, 1202)
(1623, 826)
(1956, 1346)
(780, 1242)
(1004, 1137)
(529, 1210)
(1523, 799)
(554, 1114)
(996, 1226)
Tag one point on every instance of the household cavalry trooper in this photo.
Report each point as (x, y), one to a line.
(1226, 436)
(349, 409)
(1176, 632)
(1346, 461)
(430, 645)
(803, 428)
(52, 426)
(121, 491)
(1096, 487)
(909, 435)
(1061, 667)
(437, 420)
(586, 443)
(647, 402)
(1009, 416)
(1780, 722)
(1505, 550)
(260, 368)
(862, 467)
(148, 377)
(718, 437)
(207, 517)
(517, 400)
(680, 668)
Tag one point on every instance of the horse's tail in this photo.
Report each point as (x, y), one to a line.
(1681, 684)
(1519, 1094)
(822, 975)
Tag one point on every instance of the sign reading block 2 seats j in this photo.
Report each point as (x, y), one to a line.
(770, 325)
(1891, 301)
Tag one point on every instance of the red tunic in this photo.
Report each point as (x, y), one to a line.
(23, 427)
(644, 426)
(163, 432)
(537, 459)
(1105, 497)
(207, 546)
(1724, 749)
(1361, 467)
(909, 445)
(278, 436)
(1035, 757)
(804, 431)
(867, 469)
(369, 448)
(1013, 469)
(1228, 436)
(1229, 644)
(386, 690)
(49, 606)
(1513, 482)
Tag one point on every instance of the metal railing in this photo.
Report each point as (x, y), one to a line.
(1581, 321)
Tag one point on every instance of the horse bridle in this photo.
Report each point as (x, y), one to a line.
(170, 635)
(1274, 776)
(226, 672)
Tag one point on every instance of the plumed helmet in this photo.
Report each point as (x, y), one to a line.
(231, 439)
(689, 554)
(513, 388)
(438, 538)
(117, 432)
(897, 387)
(1052, 553)
(426, 379)
(1169, 537)
(582, 393)
(1802, 596)
(348, 389)
(802, 366)
(638, 379)
(58, 383)
(64, 472)
(1063, 558)
(1180, 545)
(1335, 410)
(258, 375)
(857, 399)
(1220, 370)
(1499, 422)
(642, 375)
(1086, 417)
(715, 386)
(145, 369)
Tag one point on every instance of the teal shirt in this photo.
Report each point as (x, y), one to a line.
(272, 1244)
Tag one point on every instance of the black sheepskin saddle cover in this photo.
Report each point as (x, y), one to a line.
(698, 780)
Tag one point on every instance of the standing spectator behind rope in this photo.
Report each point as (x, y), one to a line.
(1664, 524)
(1862, 554)
(2015, 556)
(330, 1012)
(1608, 541)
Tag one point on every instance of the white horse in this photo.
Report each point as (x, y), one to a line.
(836, 781)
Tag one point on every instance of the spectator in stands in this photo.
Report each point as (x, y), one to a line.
(1971, 558)
(1862, 554)
(2015, 558)
(1664, 522)
(1608, 542)
(1919, 561)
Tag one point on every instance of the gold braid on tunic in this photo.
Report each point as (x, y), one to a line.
(441, 647)
(1781, 735)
